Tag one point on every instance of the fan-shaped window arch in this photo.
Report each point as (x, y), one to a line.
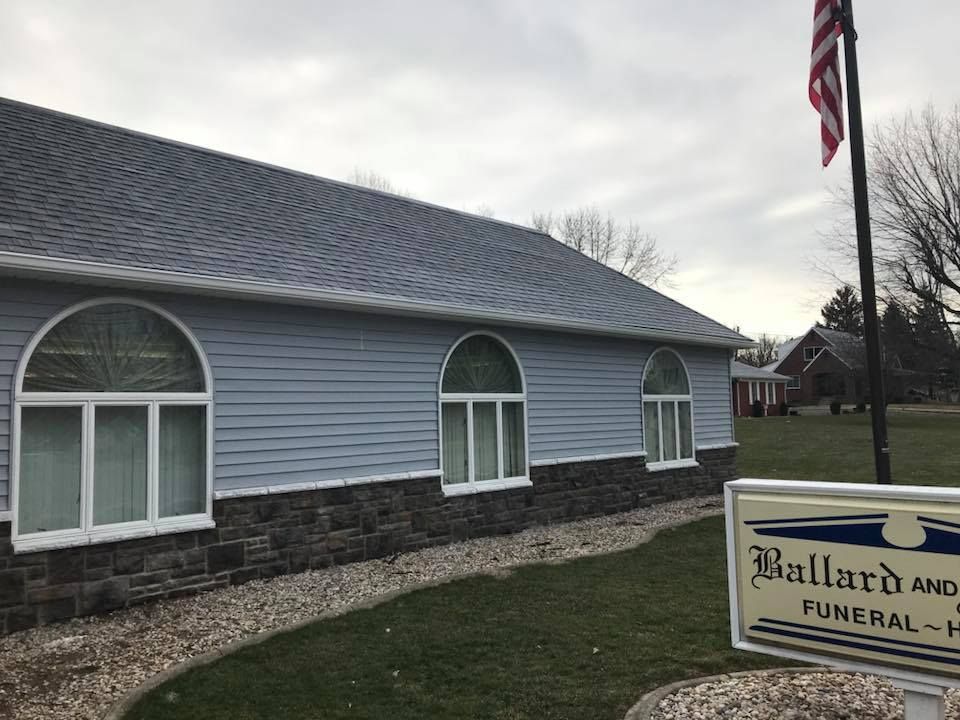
(667, 411)
(114, 347)
(483, 415)
(111, 427)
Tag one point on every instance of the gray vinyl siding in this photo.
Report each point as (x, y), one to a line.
(583, 394)
(304, 394)
(712, 391)
(22, 311)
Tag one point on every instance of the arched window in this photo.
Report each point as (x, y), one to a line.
(112, 436)
(483, 414)
(667, 411)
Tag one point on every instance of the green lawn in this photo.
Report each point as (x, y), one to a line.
(523, 647)
(519, 647)
(840, 448)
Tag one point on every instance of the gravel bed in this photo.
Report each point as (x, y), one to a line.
(792, 696)
(78, 668)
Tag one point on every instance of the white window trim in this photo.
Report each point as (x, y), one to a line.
(472, 486)
(659, 399)
(793, 387)
(771, 393)
(817, 349)
(89, 534)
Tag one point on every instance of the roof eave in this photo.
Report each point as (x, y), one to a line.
(25, 265)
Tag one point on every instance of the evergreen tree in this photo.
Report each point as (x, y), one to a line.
(844, 312)
(897, 335)
(936, 346)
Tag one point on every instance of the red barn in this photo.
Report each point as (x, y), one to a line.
(752, 383)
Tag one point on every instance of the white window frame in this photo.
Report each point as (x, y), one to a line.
(88, 533)
(472, 486)
(658, 464)
(815, 350)
(790, 383)
(771, 393)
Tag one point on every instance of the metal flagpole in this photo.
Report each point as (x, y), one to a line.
(871, 325)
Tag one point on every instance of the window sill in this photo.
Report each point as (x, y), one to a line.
(485, 486)
(672, 465)
(67, 540)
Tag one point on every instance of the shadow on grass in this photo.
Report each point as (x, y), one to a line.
(583, 639)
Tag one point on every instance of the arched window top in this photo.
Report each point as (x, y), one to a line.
(481, 364)
(665, 375)
(114, 347)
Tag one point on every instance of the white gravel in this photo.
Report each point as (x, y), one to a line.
(793, 696)
(77, 669)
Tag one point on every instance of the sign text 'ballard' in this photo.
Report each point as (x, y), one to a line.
(860, 576)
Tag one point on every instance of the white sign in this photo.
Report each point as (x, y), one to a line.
(864, 578)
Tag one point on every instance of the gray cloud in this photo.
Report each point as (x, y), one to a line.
(689, 117)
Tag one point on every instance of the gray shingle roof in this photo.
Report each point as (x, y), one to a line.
(742, 371)
(75, 189)
(847, 347)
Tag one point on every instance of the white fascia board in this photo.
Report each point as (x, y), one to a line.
(18, 264)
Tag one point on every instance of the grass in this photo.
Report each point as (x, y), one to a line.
(523, 647)
(513, 648)
(840, 448)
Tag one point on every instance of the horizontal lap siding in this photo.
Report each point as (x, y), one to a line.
(300, 394)
(305, 394)
(710, 377)
(583, 394)
(23, 309)
(310, 394)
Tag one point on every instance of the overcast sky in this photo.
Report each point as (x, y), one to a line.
(689, 117)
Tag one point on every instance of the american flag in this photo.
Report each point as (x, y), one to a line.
(825, 92)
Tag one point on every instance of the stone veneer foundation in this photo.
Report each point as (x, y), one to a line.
(267, 535)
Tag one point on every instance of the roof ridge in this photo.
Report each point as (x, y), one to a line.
(234, 201)
(651, 288)
(269, 165)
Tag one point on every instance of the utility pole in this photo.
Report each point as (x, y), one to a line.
(871, 325)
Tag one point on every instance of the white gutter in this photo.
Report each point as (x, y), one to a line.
(168, 280)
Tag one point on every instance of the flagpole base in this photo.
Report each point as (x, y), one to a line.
(921, 702)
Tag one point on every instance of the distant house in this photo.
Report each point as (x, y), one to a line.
(828, 364)
(751, 384)
(822, 364)
(214, 370)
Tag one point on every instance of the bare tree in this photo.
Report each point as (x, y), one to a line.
(376, 181)
(763, 354)
(622, 246)
(914, 179)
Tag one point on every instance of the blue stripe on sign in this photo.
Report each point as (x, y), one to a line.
(880, 516)
(857, 645)
(858, 635)
(938, 522)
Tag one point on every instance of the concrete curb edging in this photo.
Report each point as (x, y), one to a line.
(649, 702)
(125, 703)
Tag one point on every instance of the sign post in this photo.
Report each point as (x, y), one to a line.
(921, 702)
(865, 578)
